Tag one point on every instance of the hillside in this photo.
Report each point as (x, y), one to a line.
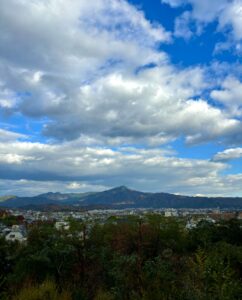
(4, 198)
(122, 197)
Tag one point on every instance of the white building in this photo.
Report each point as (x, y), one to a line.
(171, 212)
(191, 224)
(14, 236)
(61, 225)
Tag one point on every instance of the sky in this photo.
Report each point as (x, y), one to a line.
(98, 94)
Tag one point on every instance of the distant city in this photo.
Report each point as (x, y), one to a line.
(26, 218)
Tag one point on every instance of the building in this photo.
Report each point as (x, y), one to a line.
(14, 236)
(61, 225)
(171, 212)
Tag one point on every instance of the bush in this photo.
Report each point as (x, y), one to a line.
(46, 291)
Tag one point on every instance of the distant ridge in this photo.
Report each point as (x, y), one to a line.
(123, 197)
(4, 198)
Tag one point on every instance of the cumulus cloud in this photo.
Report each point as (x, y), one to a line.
(61, 37)
(228, 154)
(230, 95)
(156, 104)
(84, 90)
(133, 106)
(232, 16)
(60, 46)
(182, 26)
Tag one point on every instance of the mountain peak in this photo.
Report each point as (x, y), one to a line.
(122, 188)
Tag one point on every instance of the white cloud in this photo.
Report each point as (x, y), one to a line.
(33, 168)
(174, 3)
(232, 16)
(6, 135)
(182, 26)
(135, 107)
(82, 168)
(25, 187)
(230, 95)
(203, 11)
(60, 37)
(95, 91)
(227, 13)
(14, 158)
(228, 154)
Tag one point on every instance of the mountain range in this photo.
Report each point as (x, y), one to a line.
(120, 197)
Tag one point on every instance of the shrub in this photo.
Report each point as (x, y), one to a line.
(45, 291)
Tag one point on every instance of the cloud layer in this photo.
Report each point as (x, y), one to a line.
(80, 168)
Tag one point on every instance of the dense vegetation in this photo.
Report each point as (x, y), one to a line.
(151, 259)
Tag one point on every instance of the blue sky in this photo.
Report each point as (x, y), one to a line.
(146, 94)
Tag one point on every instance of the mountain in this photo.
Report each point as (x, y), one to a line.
(4, 198)
(122, 197)
(44, 199)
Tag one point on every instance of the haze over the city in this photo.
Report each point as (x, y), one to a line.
(98, 94)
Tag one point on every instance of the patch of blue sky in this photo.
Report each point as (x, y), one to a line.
(23, 94)
(16, 122)
(145, 67)
(198, 50)
(234, 167)
(199, 151)
(127, 146)
(29, 127)
(155, 11)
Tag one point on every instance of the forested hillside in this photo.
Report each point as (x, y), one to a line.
(123, 197)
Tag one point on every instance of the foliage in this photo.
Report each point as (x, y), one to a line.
(46, 291)
(125, 258)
